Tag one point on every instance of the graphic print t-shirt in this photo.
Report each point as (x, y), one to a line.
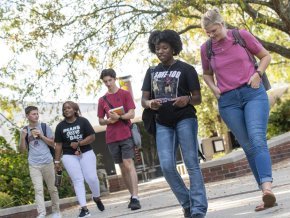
(168, 83)
(165, 84)
(66, 133)
(39, 152)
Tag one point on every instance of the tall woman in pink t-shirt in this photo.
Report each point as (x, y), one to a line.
(242, 99)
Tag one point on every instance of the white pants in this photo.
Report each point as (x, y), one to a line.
(39, 173)
(80, 168)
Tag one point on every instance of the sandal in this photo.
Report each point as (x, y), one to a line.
(269, 200)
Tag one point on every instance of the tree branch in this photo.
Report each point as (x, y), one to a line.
(188, 28)
(275, 23)
(283, 51)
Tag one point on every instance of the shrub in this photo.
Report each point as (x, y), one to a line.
(279, 120)
(5, 200)
(16, 182)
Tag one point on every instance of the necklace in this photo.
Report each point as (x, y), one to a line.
(167, 70)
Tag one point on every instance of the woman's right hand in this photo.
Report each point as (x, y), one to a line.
(57, 167)
(154, 104)
(216, 91)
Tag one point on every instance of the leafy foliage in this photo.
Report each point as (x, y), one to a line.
(279, 120)
(15, 179)
(5, 200)
(3, 144)
(69, 42)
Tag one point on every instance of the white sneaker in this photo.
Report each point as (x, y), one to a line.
(56, 215)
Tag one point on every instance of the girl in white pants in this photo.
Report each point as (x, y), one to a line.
(80, 168)
(73, 138)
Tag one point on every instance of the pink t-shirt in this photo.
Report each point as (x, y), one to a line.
(231, 63)
(119, 130)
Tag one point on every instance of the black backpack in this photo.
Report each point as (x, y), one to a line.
(43, 127)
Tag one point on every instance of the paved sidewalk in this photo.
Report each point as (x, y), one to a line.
(228, 198)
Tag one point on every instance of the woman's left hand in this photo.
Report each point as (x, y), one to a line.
(255, 81)
(74, 145)
(181, 101)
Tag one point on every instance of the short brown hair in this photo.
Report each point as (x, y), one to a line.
(108, 72)
(28, 109)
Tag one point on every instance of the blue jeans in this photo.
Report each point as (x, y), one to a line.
(245, 111)
(168, 139)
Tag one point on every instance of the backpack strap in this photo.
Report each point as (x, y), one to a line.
(106, 100)
(209, 51)
(43, 127)
(26, 137)
(239, 40)
(44, 130)
(152, 68)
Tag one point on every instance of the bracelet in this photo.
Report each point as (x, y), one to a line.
(259, 73)
(120, 117)
(189, 99)
(57, 161)
(149, 104)
(79, 143)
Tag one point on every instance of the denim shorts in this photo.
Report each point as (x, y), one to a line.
(122, 150)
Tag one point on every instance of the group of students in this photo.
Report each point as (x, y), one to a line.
(172, 89)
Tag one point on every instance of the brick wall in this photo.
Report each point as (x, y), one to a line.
(241, 167)
(220, 172)
(116, 183)
(281, 152)
(33, 212)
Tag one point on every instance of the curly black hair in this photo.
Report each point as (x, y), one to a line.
(169, 36)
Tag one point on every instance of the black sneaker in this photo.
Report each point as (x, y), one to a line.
(84, 213)
(186, 212)
(130, 200)
(135, 204)
(99, 203)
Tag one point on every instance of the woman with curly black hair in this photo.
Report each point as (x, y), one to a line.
(172, 89)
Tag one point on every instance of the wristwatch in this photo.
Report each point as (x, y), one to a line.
(57, 161)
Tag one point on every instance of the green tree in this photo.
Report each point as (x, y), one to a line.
(71, 40)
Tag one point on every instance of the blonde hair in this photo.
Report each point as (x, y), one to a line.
(212, 16)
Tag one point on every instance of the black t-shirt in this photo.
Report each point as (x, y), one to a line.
(177, 80)
(66, 133)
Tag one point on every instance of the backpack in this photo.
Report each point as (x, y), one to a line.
(238, 39)
(43, 127)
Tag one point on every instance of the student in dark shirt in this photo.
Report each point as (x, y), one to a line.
(175, 90)
(73, 136)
